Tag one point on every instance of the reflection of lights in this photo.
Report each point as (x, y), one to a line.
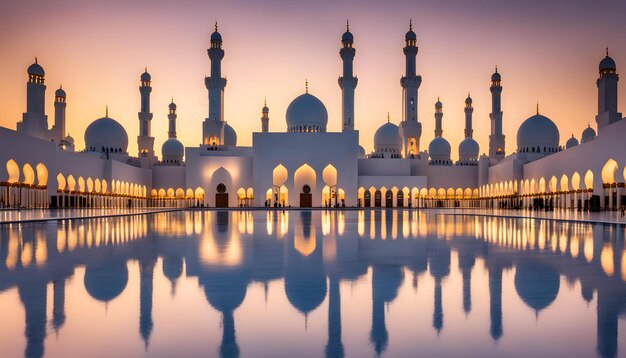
(383, 227)
(27, 254)
(305, 245)
(563, 243)
(361, 222)
(573, 246)
(249, 223)
(284, 223)
(588, 249)
(211, 252)
(12, 254)
(41, 250)
(606, 259)
(270, 222)
(341, 223)
(394, 224)
(325, 222)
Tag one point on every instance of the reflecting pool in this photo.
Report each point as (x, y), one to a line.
(311, 284)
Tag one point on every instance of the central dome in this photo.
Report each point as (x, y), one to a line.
(538, 133)
(306, 113)
(439, 151)
(106, 135)
(468, 150)
(387, 138)
(173, 151)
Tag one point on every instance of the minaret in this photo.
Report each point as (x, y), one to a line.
(171, 133)
(212, 128)
(265, 119)
(347, 82)
(607, 93)
(34, 120)
(410, 128)
(145, 142)
(496, 138)
(59, 115)
(469, 132)
(438, 118)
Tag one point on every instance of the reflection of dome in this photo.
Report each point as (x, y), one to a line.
(607, 63)
(230, 136)
(468, 149)
(306, 113)
(538, 132)
(439, 150)
(572, 142)
(361, 152)
(588, 134)
(226, 292)
(106, 134)
(387, 138)
(172, 150)
(105, 282)
(172, 267)
(537, 284)
(305, 290)
(36, 69)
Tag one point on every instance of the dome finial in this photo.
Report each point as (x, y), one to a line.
(172, 99)
(265, 101)
(607, 51)
(61, 86)
(347, 25)
(215, 26)
(36, 59)
(388, 117)
(106, 111)
(537, 107)
(306, 85)
(496, 68)
(410, 24)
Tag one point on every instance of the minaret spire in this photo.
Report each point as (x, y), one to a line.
(212, 127)
(410, 127)
(469, 110)
(145, 140)
(347, 82)
(265, 119)
(496, 137)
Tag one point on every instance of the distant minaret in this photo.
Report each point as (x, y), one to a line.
(496, 138)
(212, 127)
(438, 118)
(410, 128)
(265, 119)
(469, 132)
(59, 115)
(347, 82)
(145, 142)
(607, 93)
(171, 116)
(34, 120)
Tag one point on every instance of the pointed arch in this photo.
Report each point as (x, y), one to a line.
(29, 174)
(329, 174)
(589, 179)
(279, 175)
(13, 171)
(42, 174)
(608, 171)
(305, 175)
(61, 182)
(564, 183)
(576, 181)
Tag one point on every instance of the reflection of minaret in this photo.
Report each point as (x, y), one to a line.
(608, 313)
(33, 297)
(146, 269)
(334, 347)
(58, 308)
(495, 299)
(466, 263)
(228, 347)
(172, 269)
(385, 282)
(439, 269)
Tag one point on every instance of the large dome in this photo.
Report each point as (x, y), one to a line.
(468, 149)
(306, 113)
(230, 136)
(172, 151)
(106, 134)
(537, 284)
(588, 134)
(387, 138)
(439, 150)
(538, 133)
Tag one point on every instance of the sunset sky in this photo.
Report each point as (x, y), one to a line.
(546, 51)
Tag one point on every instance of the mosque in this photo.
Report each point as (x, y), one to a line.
(307, 166)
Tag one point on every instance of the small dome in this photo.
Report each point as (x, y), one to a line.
(172, 106)
(387, 138)
(173, 150)
(36, 69)
(69, 139)
(468, 149)
(306, 113)
(468, 100)
(216, 37)
(607, 63)
(410, 35)
(106, 134)
(439, 150)
(230, 136)
(347, 37)
(572, 142)
(265, 109)
(538, 131)
(361, 152)
(145, 77)
(588, 134)
(60, 93)
(496, 76)
(438, 104)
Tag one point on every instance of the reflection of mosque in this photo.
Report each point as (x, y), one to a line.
(313, 253)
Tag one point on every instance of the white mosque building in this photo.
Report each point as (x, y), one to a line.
(307, 166)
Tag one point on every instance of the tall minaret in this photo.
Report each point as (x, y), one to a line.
(171, 116)
(347, 82)
(145, 142)
(607, 93)
(469, 132)
(34, 120)
(438, 118)
(59, 115)
(265, 119)
(212, 128)
(410, 128)
(496, 138)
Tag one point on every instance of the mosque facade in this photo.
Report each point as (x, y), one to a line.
(308, 166)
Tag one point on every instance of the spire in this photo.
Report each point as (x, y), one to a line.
(607, 51)
(348, 27)
(306, 85)
(388, 118)
(106, 111)
(265, 101)
(215, 26)
(410, 24)
(172, 99)
(537, 107)
(61, 86)
(496, 68)
(145, 69)
(37, 62)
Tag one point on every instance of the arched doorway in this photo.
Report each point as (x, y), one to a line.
(306, 198)
(400, 199)
(221, 196)
(378, 198)
(389, 199)
(367, 198)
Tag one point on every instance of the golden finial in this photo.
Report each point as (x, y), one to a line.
(61, 86)
(537, 107)
(496, 68)
(265, 101)
(106, 111)
(607, 51)
(410, 24)
(36, 60)
(215, 26)
(145, 69)
(347, 25)
(388, 117)
(306, 85)
(172, 99)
